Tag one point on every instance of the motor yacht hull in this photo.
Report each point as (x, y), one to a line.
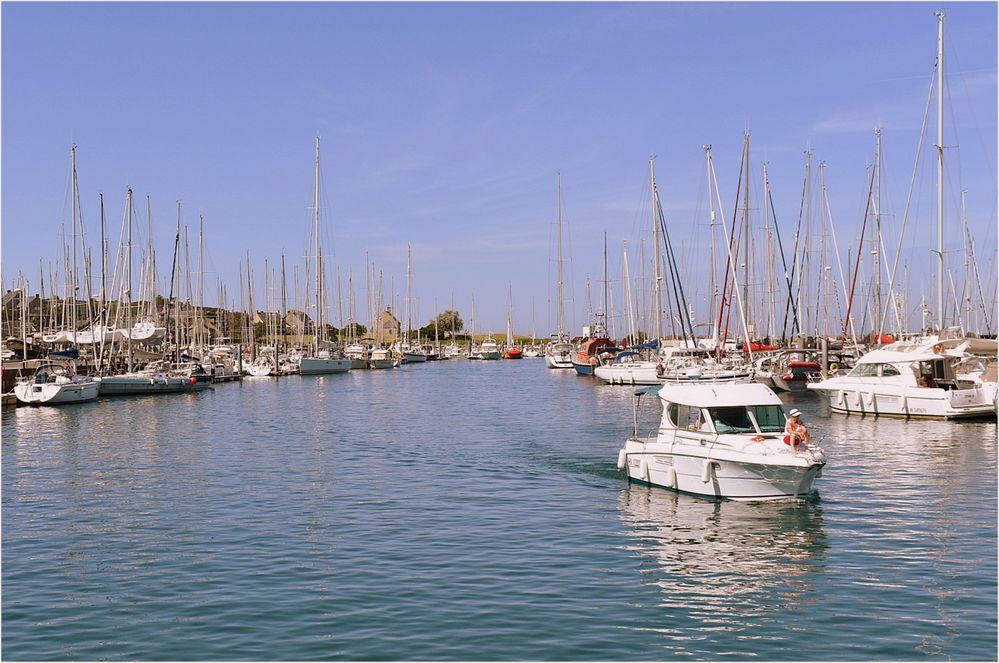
(853, 397)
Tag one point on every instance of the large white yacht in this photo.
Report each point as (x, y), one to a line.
(912, 380)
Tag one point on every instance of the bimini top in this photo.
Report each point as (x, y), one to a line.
(719, 394)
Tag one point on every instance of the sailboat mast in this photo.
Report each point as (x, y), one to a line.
(657, 257)
(318, 264)
(73, 286)
(940, 167)
(128, 324)
(560, 304)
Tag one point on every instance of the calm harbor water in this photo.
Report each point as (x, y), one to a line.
(473, 510)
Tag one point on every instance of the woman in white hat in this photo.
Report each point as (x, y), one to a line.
(797, 432)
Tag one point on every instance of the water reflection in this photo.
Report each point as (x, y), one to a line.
(730, 562)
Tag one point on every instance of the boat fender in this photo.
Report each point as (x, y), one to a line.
(643, 470)
(870, 397)
(194, 380)
(671, 477)
(706, 471)
(841, 397)
(622, 459)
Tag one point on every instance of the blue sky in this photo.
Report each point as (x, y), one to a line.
(443, 126)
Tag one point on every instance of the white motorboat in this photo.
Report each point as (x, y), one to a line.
(488, 349)
(722, 441)
(559, 354)
(912, 380)
(381, 358)
(56, 383)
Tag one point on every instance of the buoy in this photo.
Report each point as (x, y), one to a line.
(706, 471)
(643, 470)
(671, 478)
(834, 366)
(622, 459)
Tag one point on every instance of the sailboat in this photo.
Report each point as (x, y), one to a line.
(511, 351)
(559, 352)
(412, 353)
(56, 381)
(323, 361)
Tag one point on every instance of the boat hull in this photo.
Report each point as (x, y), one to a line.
(30, 393)
(848, 397)
(140, 386)
(726, 479)
(381, 363)
(415, 357)
(636, 373)
(584, 369)
(315, 366)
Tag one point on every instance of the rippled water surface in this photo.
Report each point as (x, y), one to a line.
(473, 510)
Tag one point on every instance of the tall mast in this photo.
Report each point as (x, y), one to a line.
(318, 263)
(409, 291)
(657, 258)
(201, 280)
(73, 286)
(877, 240)
(128, 311)
(747, 255)
(560, 310)
(940, 173)
(713, 284)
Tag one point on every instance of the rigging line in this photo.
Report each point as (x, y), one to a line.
(783, 259)
(678, 294)
(794, 261)
(728, 259)
(860, 253)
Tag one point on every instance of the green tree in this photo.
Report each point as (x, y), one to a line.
(446, 322)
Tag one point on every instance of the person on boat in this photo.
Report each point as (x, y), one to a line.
(796, 431)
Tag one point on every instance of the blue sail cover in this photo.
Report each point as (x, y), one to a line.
(648, 345)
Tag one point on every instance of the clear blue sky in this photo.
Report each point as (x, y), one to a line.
(443, 126)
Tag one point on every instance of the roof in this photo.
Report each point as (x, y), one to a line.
(903, 354)
(719, 394)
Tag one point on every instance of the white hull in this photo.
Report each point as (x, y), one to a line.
(728, 479)
(632, 373)
(852, 396)
(381, 363)
(558, 362)
(57, 394)
(314, 366)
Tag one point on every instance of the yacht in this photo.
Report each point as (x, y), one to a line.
(917, 380)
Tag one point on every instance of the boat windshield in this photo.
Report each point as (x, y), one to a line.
(769, 418)
(731, 420)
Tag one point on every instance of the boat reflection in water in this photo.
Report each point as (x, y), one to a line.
(733, 563)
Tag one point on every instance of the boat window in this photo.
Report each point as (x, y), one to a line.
(888, 369)
(695, 421)
(731, 420)
(864, 370)
(769, 417)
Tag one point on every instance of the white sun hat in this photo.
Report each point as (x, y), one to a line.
(794, 413)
